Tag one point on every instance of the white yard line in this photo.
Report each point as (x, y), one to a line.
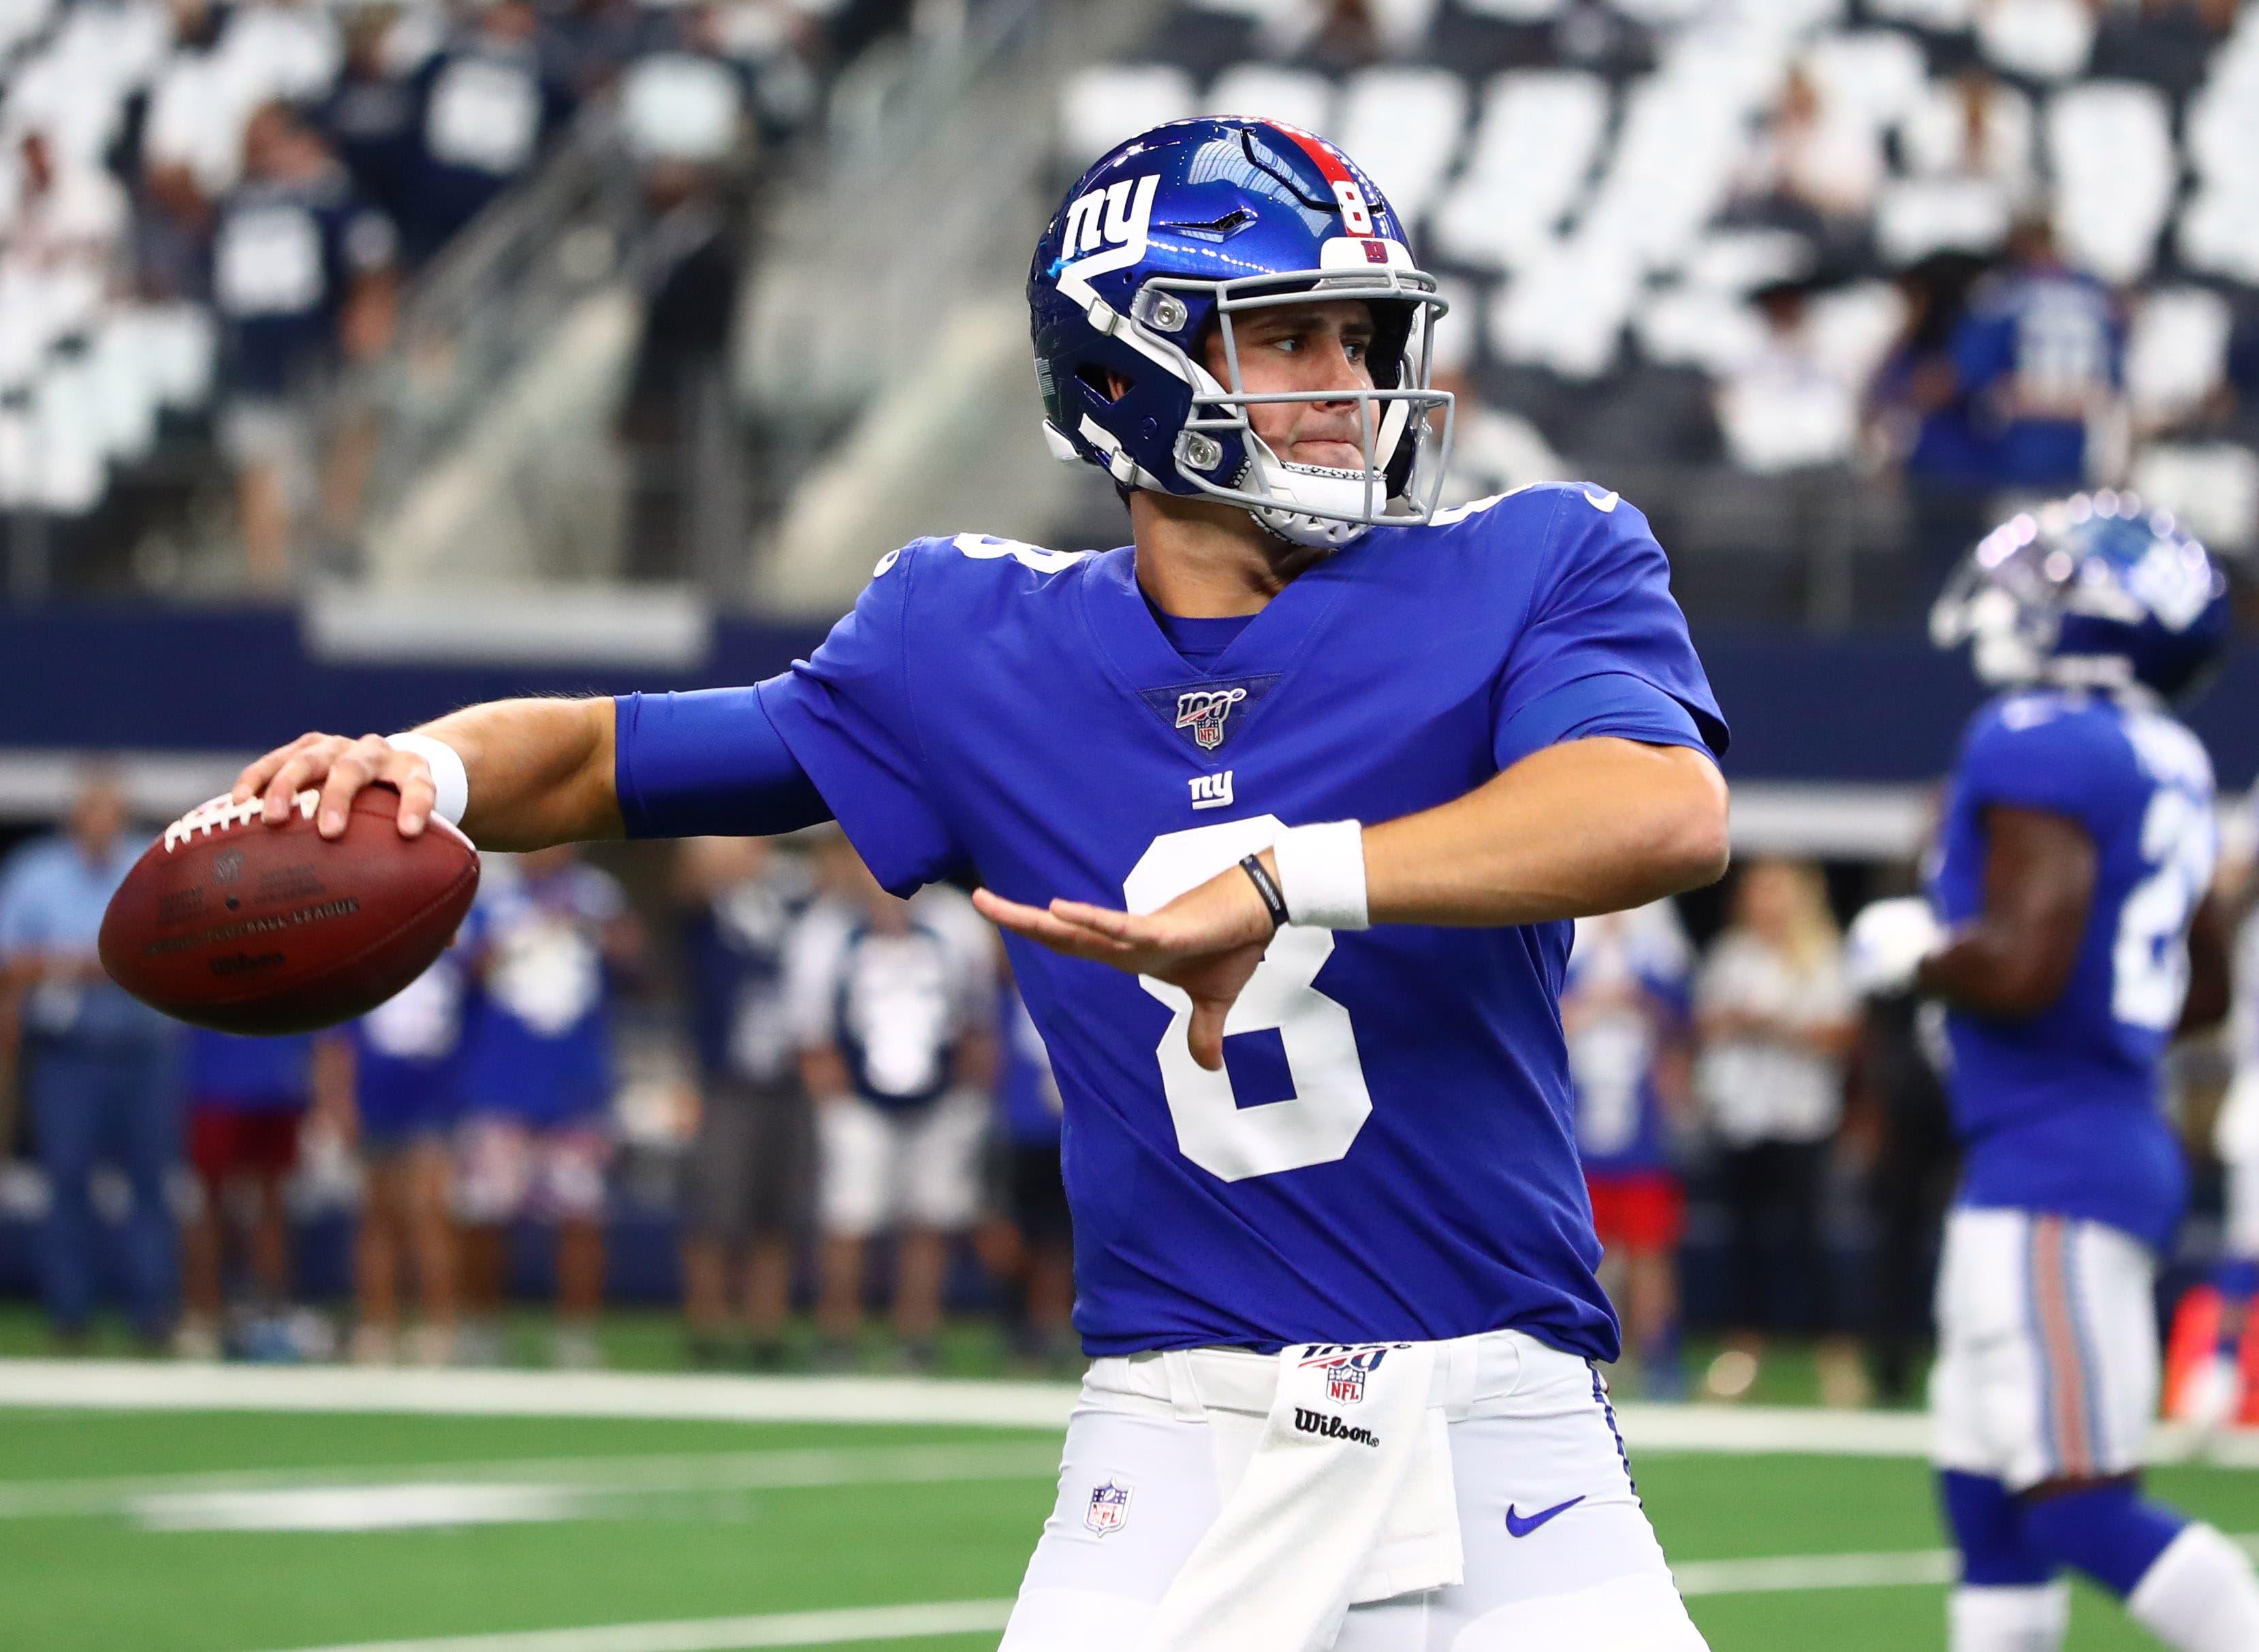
(127, 1386)
(1776, 1574)
(726, 1635)
(788, 1470)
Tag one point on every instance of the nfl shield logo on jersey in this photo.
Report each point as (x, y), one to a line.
(1345, 1385)
(1108, 1510)
(1203, 710)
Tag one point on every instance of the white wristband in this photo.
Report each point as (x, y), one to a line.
(1321, 874)
(449, 777)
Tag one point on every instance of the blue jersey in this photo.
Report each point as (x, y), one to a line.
(254, 1075)
(1625, 996)
(2045, 343)
(1027, 1091)
(407, 1054)
(1391, 1152)
(2063, 1111)
(539, 1045)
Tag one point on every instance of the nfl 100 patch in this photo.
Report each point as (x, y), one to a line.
(1108, 1508)
(1207, 714)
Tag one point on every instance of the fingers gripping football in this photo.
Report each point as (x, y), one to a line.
(339, 769)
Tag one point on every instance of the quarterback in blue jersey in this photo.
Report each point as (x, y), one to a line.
(1285, 808)
(2078, 938)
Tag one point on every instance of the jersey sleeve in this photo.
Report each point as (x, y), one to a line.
(1604, 650)
(2040, 754)
(847, 715)
(709, 764)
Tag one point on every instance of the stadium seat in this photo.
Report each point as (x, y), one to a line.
(1852, 328)
(1878, 75)
(2218, 233)
(1296, 96)
(1942, 16)
(1516, 11)
(1566, 310)
(66, 438)
(1671, 170)
(1934, 136)
(1403, 125)
(183, 345)
(1532, 152)
(2212, 486)
(124, 387)
(2041, 39)
(1918, 217)
(2175, 352)
(1694, 326)
(1106, 103)
(1741, 260)
(679, 107)
(281, 50)
(2111, 143)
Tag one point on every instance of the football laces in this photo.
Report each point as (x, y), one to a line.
(223, 814)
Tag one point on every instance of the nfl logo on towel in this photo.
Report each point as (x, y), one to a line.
(1108, 1510)
(1345, 1385)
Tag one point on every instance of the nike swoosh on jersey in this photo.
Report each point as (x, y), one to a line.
(1602, 503)
(1517, 1526)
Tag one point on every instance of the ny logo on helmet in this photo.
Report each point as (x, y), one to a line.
(1203, 710)
(1114, 215)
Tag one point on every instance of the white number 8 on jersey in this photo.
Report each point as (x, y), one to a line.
(1319, 1121)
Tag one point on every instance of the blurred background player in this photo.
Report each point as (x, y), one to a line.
(406, 1057)
(2217, 1389)
(746, 1180)
(2078, 850)
(1041, 1258)
(98, 1067)
(1624, 1008)
(549, 937)
(895, 1005)
(248, 1102)
(1777, 1024)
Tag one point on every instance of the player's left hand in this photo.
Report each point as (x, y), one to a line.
(1207, 941)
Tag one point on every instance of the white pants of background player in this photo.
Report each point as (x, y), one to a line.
(1529, 1431)
(919, 1166)
(2048, 1369)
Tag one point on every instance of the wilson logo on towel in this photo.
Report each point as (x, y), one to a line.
(1316, 1422)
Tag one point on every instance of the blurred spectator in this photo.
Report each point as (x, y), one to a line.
(549, 937)
(248, 1099)
(369, 115)
(894, 1002)
(1813, 158)
(585, 44)
(2040, 357)
(747, 1181)
(97, 1066)
(303, 276)
(1776, 1019)
(1918, 421)
(65, 239)
(489, 104)
(690, 278)
(1624, 1010)
(1032, 1114)
(406, 1059)
(1789, 406)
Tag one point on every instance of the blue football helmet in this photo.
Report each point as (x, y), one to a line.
(1184, 228)
(2093, 591)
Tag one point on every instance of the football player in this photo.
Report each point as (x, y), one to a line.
(1287, 808)
(2078, 940)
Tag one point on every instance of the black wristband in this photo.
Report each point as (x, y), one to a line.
(1274, 900)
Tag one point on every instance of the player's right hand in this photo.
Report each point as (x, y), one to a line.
(341, 768)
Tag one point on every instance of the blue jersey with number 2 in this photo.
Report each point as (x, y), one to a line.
(1390, 1153)
(2063, 1111)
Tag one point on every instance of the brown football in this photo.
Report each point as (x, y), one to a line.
(230, 924)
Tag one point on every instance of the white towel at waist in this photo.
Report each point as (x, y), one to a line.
(1334, 1478)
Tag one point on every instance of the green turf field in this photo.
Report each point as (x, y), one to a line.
(214, 1532)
